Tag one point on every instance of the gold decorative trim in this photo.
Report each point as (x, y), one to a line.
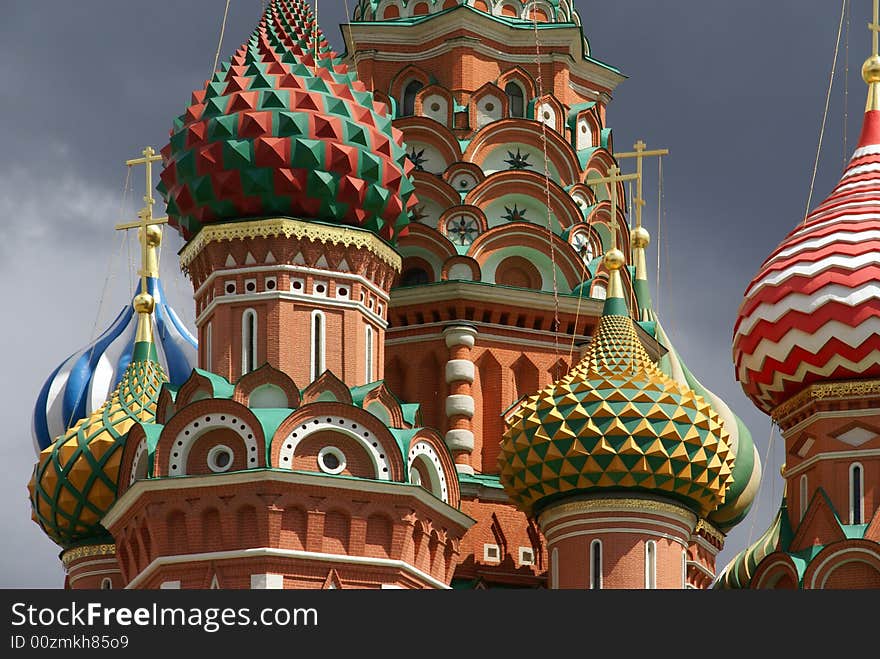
(706, 527)
(87, 551)
(279, 226)
(819, 391)
(553, 512)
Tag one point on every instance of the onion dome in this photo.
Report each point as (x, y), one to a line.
(812, 313)
(74, 482)
(746, 460)
(83, 382)
(738, 573)
(616, 422)
(285, 129)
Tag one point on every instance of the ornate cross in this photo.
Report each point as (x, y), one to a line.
(639, 154)
(145, 215)
(614, 177)
(874, 26)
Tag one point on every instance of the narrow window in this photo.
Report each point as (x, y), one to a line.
(684, 568)
(856, 494)
(317, 344)
(650, 565)
(596, 565)
(515, 99)
(209, 347)
(803, 495)
(248, 341)
(369, 353)
(409, 98)
(554, 569)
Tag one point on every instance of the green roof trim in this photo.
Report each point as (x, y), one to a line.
(222, 387)
(485, 480)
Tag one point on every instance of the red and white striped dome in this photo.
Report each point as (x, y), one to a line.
(812, 313)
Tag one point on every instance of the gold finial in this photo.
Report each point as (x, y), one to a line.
(149, 234)
(871, 67)
(143, 304)
(640, 240)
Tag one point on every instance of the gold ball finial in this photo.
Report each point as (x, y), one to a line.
(154, 235)
(614, 259)
(871, 69)
(640, 237)
(144, 303)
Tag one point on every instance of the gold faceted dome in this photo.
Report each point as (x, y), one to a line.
(616, 422)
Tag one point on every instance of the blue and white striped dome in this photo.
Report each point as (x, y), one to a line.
(84, 381)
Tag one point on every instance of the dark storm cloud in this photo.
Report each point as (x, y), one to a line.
(735, 90)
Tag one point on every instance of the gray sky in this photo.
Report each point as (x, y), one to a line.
(735, 90)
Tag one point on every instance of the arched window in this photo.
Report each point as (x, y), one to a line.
(248, 341)
(554, 569)
(650, 565)
(410, 92)
(107, 583)
(856, 494)
(318, 333)
(515, 99)
(803, 495)
(596, 565)
(368, 353)
(209, 347)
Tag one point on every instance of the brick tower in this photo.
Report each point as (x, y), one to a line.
(807, 352)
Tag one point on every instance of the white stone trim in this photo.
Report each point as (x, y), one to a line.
(267, 581)
(268, 552)
(165, 585)
(685, 518)
(459, 439)
(432, 460)
(834, 455)
(459, 370)
(827, 414)
(849, 550)
(658, 534)
(136, 460)
(460, 405)
(345, 426)
(198, 427)
(93, 573)
(611, 520)
(341, 303)
(460, 335)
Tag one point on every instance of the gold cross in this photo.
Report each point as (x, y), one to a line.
(639, 154)
(145, 215)
(614, 177)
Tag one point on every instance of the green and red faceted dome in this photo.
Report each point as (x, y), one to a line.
(285, 129)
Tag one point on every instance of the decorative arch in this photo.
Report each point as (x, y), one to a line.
(181, 433)
(427, 451)
(548, 110)
(403, 78)
(488, 104)
(436, 103)
(326, 388)
(420, 130)
(198, 387)
(266, 375)
(527, 239)
(415, 271)
(462, 177)
(844, 555)
(504, 133)
(389, 10)
(426, 244)
(523, 78)
(461, 267)
(496, 187)
(461, 224)
(383, 397)
(355, 423)
(518, 272)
